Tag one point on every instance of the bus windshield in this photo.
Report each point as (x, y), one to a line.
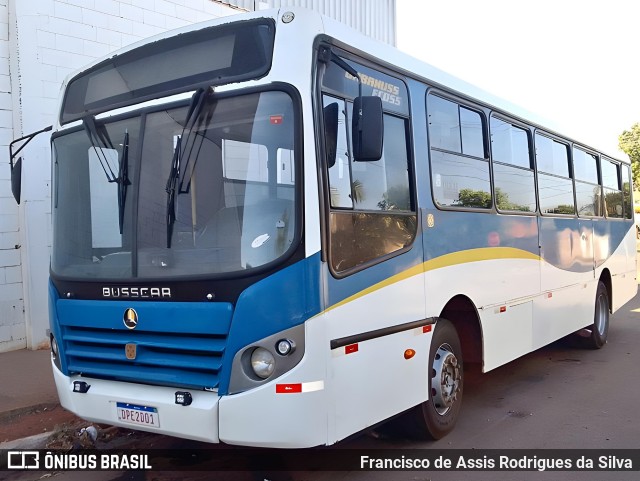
(228, 206)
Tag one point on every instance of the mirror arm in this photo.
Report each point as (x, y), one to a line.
(28, 139)
(327, 55)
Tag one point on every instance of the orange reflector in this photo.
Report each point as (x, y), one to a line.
(503, 309)
(409, 353)
(426, 329)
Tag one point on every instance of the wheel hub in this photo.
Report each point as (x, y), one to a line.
(445, 381)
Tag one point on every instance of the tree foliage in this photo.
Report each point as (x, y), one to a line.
(629, 143)
(482, 199)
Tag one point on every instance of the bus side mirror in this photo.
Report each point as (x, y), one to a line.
(330, 114)
(16, 179)
(367, 129)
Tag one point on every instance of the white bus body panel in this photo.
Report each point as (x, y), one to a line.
(373, 381)
(624, 280)
(199, 421)
(265, 417)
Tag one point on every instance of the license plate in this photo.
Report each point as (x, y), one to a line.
(135, 414)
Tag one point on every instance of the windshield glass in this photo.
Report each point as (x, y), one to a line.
(232, 207)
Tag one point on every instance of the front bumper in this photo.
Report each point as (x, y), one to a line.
(284, 413)
(198, 421)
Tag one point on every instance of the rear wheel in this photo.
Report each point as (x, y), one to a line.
(437, 416)
(595, 335)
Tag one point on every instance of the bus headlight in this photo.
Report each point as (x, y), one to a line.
(266, 359)
(263, 362)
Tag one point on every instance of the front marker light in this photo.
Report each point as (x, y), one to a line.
(262, 362)
(284, 347)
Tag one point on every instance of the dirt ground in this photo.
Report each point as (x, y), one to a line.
(31, 422)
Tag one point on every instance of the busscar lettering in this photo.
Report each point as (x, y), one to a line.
(136, 292)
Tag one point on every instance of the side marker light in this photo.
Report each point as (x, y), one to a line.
(409, 353)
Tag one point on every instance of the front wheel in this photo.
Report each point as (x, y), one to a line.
(437, 416)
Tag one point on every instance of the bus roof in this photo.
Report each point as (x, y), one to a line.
(379, 52)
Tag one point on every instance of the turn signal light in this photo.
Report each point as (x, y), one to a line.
(409, 353)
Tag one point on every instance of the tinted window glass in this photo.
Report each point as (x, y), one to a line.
(509, 144)
(589, 199)
(391, 90)
(472, 138)
(376, 217)
(340, 172)
(551, 156)
(444, 124)
(460, 181)
(556, 195)
(610, 174)
(626, 191)
(613, 203)
(384, 184)
(514, 188)
(585, 166)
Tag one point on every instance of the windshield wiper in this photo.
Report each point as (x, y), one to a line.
(198, 124)
(171, 190)
(195, 107)
(123, 178)
(101, 137)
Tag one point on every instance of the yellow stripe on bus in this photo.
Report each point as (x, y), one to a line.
(477, 255)
(447, 260)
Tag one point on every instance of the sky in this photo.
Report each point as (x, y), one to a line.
(576, 63)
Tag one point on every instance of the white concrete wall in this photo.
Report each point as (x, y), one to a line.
(12, 326)
(41, 41)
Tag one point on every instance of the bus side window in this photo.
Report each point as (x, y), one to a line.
(340, 170)
(626, 191)
(372, 214)
(611, 186)
(459, 169)
(588, 190)
(512, 170)
(555, 187)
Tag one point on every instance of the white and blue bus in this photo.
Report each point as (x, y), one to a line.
(269, 230)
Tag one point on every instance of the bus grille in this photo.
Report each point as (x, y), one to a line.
(160, 351)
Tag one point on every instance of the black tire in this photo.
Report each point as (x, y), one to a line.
(437, 416)
(600, 327)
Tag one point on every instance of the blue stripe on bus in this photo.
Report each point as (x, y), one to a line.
(560, 238)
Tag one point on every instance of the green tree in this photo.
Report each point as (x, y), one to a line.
(482, 199)
(629, 143)
(473, 198)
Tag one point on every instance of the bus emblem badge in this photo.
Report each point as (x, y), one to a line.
(130, 351)
(130, 318)
(431, 221)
